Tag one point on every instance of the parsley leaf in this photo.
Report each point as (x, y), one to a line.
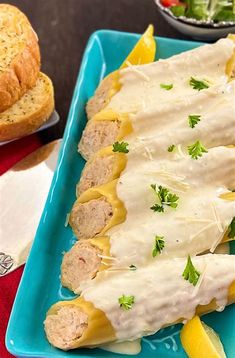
(190, 273)
(198, 85)
(196, 150)
(172, 200)
(120, 147)
(166, 87)
(132, 267)
(231, 228)
(158, 245)
(171, 148)
(157, 208)
(126, 302)
(193, 119)
(165, 198)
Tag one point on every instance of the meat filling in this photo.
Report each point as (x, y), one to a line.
(100, 98)
(80, 264)
(66, 326)
(98, 135)
(95, 173)
(89, 219)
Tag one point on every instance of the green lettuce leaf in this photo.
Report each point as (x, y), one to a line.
(178, 10)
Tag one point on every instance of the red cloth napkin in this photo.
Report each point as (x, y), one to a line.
(10, 154)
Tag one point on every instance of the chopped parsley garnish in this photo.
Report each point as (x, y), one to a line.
(126, 302)
(196, 150)
(166, 87)
(171, 148)
(120, 147)
(158, 245)
(190, 273)
(165, 198)
(198, 85)
(231, 228)
(157, 208)
(132, 267)
(193, 119)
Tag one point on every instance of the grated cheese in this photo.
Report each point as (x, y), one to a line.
(217, 242)
(180, 151)
(202, 230)
(119, 269)
(217, 218)
(192, 219)
(138, 72)
(107, 257)
(177, 180)
(147, 153)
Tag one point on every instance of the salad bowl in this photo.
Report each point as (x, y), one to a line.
(205, 29)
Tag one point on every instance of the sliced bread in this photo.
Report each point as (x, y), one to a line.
(19, 55)
(30, 112)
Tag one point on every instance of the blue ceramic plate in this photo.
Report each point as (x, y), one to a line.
(40, 286)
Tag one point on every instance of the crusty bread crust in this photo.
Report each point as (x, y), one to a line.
(22, 71)
(30, 121)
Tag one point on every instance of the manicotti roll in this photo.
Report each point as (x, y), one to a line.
(143, 86)
(96, 211)
(103, 130)
(156, 297)
(142, 53)
(85, 259)
(105, 166)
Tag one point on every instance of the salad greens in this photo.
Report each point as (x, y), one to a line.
(216, 10)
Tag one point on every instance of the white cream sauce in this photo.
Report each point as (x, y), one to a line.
(155, 129)
(197, 224)
(128, 347)
(162, 295)
(138, 91)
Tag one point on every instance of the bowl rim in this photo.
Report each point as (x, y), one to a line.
(193, 22)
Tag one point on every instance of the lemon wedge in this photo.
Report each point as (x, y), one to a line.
(144, 51)
(201, 341)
